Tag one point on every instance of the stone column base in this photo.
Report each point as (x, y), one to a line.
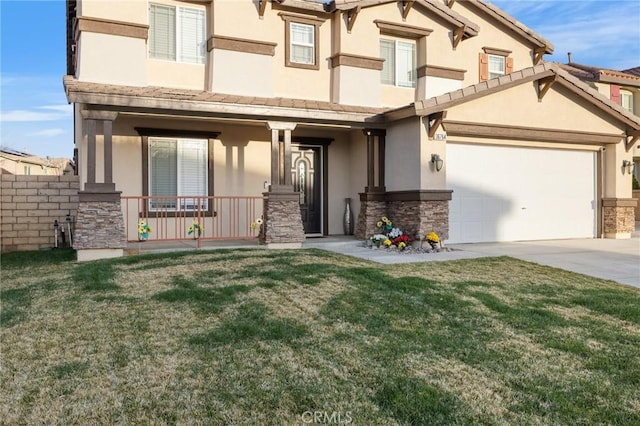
(372, 207)
(619, 217)
(282, 220)
(421, 211)
(99, 227)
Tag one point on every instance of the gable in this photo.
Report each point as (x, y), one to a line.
(560, 109)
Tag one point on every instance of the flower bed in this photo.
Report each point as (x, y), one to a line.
(388, 237)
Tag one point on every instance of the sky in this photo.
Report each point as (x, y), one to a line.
(35, 116)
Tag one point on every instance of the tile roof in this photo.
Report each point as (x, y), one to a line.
(207, 102)
(633, 71)
(546, 69)
(605, 75)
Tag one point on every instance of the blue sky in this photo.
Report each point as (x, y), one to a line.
(35, 116)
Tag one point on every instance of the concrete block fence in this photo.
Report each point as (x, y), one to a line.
(28, 207)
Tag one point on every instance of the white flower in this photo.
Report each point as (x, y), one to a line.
(259, 221)
(395, 233)
(379, 237)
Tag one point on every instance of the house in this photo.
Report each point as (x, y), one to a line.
(442, 115)
(621, 87)
(14, 162)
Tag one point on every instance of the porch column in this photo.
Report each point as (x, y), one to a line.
(99, 225)
(282, 218)
(372, 202)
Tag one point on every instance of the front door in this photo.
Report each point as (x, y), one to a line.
(306, 175)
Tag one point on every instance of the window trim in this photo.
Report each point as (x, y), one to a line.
(147, 133)
(395, 52)
(295, 18)
(178, 33)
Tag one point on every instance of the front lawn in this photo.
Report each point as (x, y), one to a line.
(291, 337)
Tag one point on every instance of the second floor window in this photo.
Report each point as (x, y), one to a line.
(302, 43)
(177, 34)
(399, 67)
(626, 100)
(496, 66)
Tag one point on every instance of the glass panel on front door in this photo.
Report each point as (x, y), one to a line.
(306, 178)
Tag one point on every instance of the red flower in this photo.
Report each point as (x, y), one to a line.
(401, 239)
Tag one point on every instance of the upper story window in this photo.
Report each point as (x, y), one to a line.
(177, 33)
(302, 40)
(495, 63)
(626, 100)
(303, 44)
(399, 68)
(496, 66)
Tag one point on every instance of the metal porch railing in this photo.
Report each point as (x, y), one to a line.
(192, 218)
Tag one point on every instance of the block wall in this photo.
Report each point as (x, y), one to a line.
(28, 207)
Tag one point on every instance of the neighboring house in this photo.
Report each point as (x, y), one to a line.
(14, 162)
(621, 87)
(439, 114)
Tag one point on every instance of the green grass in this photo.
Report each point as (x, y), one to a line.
(267, 337)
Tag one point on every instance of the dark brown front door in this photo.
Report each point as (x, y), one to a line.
(306, 176)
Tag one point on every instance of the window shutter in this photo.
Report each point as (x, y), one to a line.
(192, 38)
(615, 94)
(162, 32)
(387, 52)
(484, 67)
(508, 65)
(192, 167)
(406, 68)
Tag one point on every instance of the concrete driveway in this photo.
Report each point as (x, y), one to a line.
(616, 260)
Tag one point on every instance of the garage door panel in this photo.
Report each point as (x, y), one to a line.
(513, 193)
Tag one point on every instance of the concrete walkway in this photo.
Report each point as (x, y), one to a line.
(617, 260)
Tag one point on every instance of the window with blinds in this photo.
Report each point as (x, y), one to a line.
(177, 34)
(302, 43)
(399, 68)
(177, 167)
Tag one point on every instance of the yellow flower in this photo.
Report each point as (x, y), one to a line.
(379, 224)
(402, 245)
(432, 236)
(387, 242)
(385, 219)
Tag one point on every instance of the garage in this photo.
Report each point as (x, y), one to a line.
(509, 193)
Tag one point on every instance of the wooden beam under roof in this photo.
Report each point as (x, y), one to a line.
(263, 6)
(352, 14)
(406, 8)
(544, 84)
(631, 139)
(538, 54)
(458, 33)
(435, 121)
(450, 3)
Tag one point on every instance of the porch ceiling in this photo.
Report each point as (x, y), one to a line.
(198, 103)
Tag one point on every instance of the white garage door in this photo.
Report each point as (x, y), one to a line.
(514, 194)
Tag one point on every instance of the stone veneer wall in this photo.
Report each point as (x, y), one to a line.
(636, 196)
(619, 216)
(28, 207)
(370, 213)
(100, 225)
(418, 218)
(282, 219)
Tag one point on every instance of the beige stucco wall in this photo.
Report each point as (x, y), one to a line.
(240, 73)
(491, 34)
(403, 159)
(176, 74)
(559, 109)
(116, 10)
(435, 86)
(356, 86)
(111, 59)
